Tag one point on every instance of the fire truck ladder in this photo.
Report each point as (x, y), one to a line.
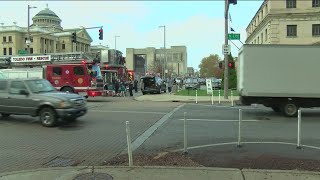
(70, 57)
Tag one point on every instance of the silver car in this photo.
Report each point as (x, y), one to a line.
(37, 97)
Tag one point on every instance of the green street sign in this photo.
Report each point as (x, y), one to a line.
(22, 52)
(234, 36)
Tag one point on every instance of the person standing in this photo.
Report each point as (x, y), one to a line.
(130, 88)
(136, 86)
(170, 84)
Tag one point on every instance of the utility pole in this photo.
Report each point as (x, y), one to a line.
(164, 65)
(226, 54)
(115, 47)
(28, 42)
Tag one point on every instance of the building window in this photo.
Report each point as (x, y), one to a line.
(56, 46)
(10, 51)
(4, 51)
(10, 38)
(266, 34)
(291, 30)
(315, 3)
(258, 42)
(261, 38)
(31, 50)
(63, 46)
(315, 29)
(4, 39)
(291, 3)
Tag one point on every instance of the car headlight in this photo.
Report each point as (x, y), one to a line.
(64, 104)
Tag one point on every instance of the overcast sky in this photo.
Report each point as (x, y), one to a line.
(195, 24)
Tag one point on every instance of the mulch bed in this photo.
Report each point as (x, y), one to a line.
(207, 159)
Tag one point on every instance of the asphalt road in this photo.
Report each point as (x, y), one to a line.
(95, 137)
(100, 135)
(207, 124)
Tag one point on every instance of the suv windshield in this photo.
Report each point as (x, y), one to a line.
(38, 86)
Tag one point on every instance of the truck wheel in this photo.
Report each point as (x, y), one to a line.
(67, 89)
(276, 109)
(48, 117)
(289, 109)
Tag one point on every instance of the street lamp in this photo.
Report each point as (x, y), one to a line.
(165, 53)
(28, 41)
(115, 47)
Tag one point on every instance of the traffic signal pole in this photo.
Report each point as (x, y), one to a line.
(226, 67)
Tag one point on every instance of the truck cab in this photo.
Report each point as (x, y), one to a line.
(76, 78)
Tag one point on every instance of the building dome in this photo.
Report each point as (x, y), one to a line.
(47, 19)
(46, 12)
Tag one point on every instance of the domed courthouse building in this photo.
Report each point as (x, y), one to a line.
(47, 36)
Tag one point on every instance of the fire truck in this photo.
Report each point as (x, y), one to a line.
(69, 72)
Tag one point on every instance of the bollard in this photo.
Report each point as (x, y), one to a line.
(239, 128)
(196, 96)
(232, 98)
(185, 145)
(129, 144)
(299, 130)
(212, 98)
(219, 97)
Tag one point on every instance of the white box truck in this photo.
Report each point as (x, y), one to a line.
(282, 77)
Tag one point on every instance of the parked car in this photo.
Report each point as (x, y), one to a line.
(216, 83)
(37, 97)
(202, 81)
(192, 83)
(152, 84)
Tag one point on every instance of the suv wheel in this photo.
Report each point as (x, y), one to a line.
(5, 115)
(48, 117)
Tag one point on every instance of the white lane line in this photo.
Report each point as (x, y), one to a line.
(143, 137)
(219, 120)
(134, 112)
(222, 106)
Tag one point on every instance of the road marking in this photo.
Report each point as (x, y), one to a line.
(134, 112)
(219, 120)
(143, 137)
(222, 106)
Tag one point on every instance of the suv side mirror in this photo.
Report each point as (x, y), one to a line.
(24, 92)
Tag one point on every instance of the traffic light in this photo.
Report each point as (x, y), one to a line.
(234, 2)
(74, 37)
(231, 65)
(101, 34)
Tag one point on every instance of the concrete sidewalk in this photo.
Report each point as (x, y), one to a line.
(170, 97)
(158, 173)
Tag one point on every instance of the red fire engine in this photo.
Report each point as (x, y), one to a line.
(65, 71)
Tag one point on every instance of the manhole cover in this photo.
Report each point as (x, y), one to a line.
(61, 162)
(93, 176)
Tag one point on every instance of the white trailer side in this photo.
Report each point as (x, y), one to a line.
(274, 75)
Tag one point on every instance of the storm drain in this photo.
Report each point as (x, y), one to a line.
(61, 162)
(93, 176)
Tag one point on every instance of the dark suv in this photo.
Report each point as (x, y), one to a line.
(37, 97)
(152, 84)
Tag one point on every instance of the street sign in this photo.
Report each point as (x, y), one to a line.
(226, 49)
(209, 86)
(22, 51)
(234, 36)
